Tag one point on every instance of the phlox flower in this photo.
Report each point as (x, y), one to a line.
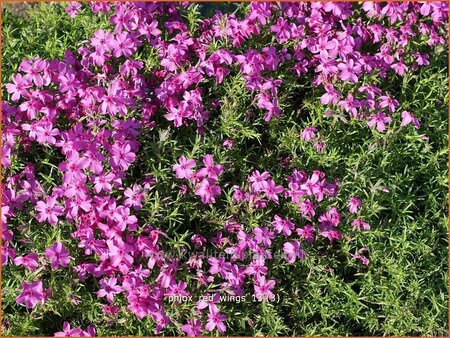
(282, 225)
(73, 8)
(35, 71)
(192, 328)
(293, 251)
(75, 332)
(306, 233)
(207, 191)
(210, 170)
(32, 294)
(357, 224)
(109, 289)
(215, 320)
(309, 133)
(49, 210)
(58, 255)
(354, 203)
(183, 169)
(263, 288)
(124, 219)
(122, 45)
(45, 133)
(272, 190)
(380, 120)
(18, 88)
(102, 183)
(122, 156)
(135, 197)
(263, 235)
(408, 118)
(29, 261)
(258, 180)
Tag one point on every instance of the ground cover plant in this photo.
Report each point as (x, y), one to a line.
(224, 169)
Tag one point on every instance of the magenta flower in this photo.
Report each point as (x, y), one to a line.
(208, 191)
(408, 118)
(49, 210)
(102, 183)
(309, 134)
(75, 332)
(58, 255)
(32, 294)
(283, 225)
(211, 170)
(354, 204)
(258, 180)
(122, 45)
(45, 133)
(29, 261)
(109, 289)
(359, 223)
(263, 289)
(215, 320)
(263, 235)
(18, 88)
(293, 251)
(69, 332)
(122, 156)
(193, 328)
(135, 197)
(73, 8)
(183, 169)
(272, 190)
(34, 71)
(380, 119)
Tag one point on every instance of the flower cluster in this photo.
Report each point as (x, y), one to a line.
(204, 179)
(93, 109)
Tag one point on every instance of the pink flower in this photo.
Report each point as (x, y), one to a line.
(271, 190)
(122, 45)
(293, 251)
(45, 133)
(363, 259)
(208, 191)
(109, 289)
(102, 183)
(263, 235)
(69, 332)
(359, 223)
(309, 134)
(408, 118)
(228, 143)
(75, 332)
(183, 169)
(122, 156)
(192, 328)
(32, 294)
(215, 320)
(48, 210)
(29, 261)
(212, 171)
(135, 197)
(58, 255)
(283, 225)
(380, 119)
(258, 180)
(73, 8)
(124, 219)
(263, 288)
(354, 203)
(18, 88)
